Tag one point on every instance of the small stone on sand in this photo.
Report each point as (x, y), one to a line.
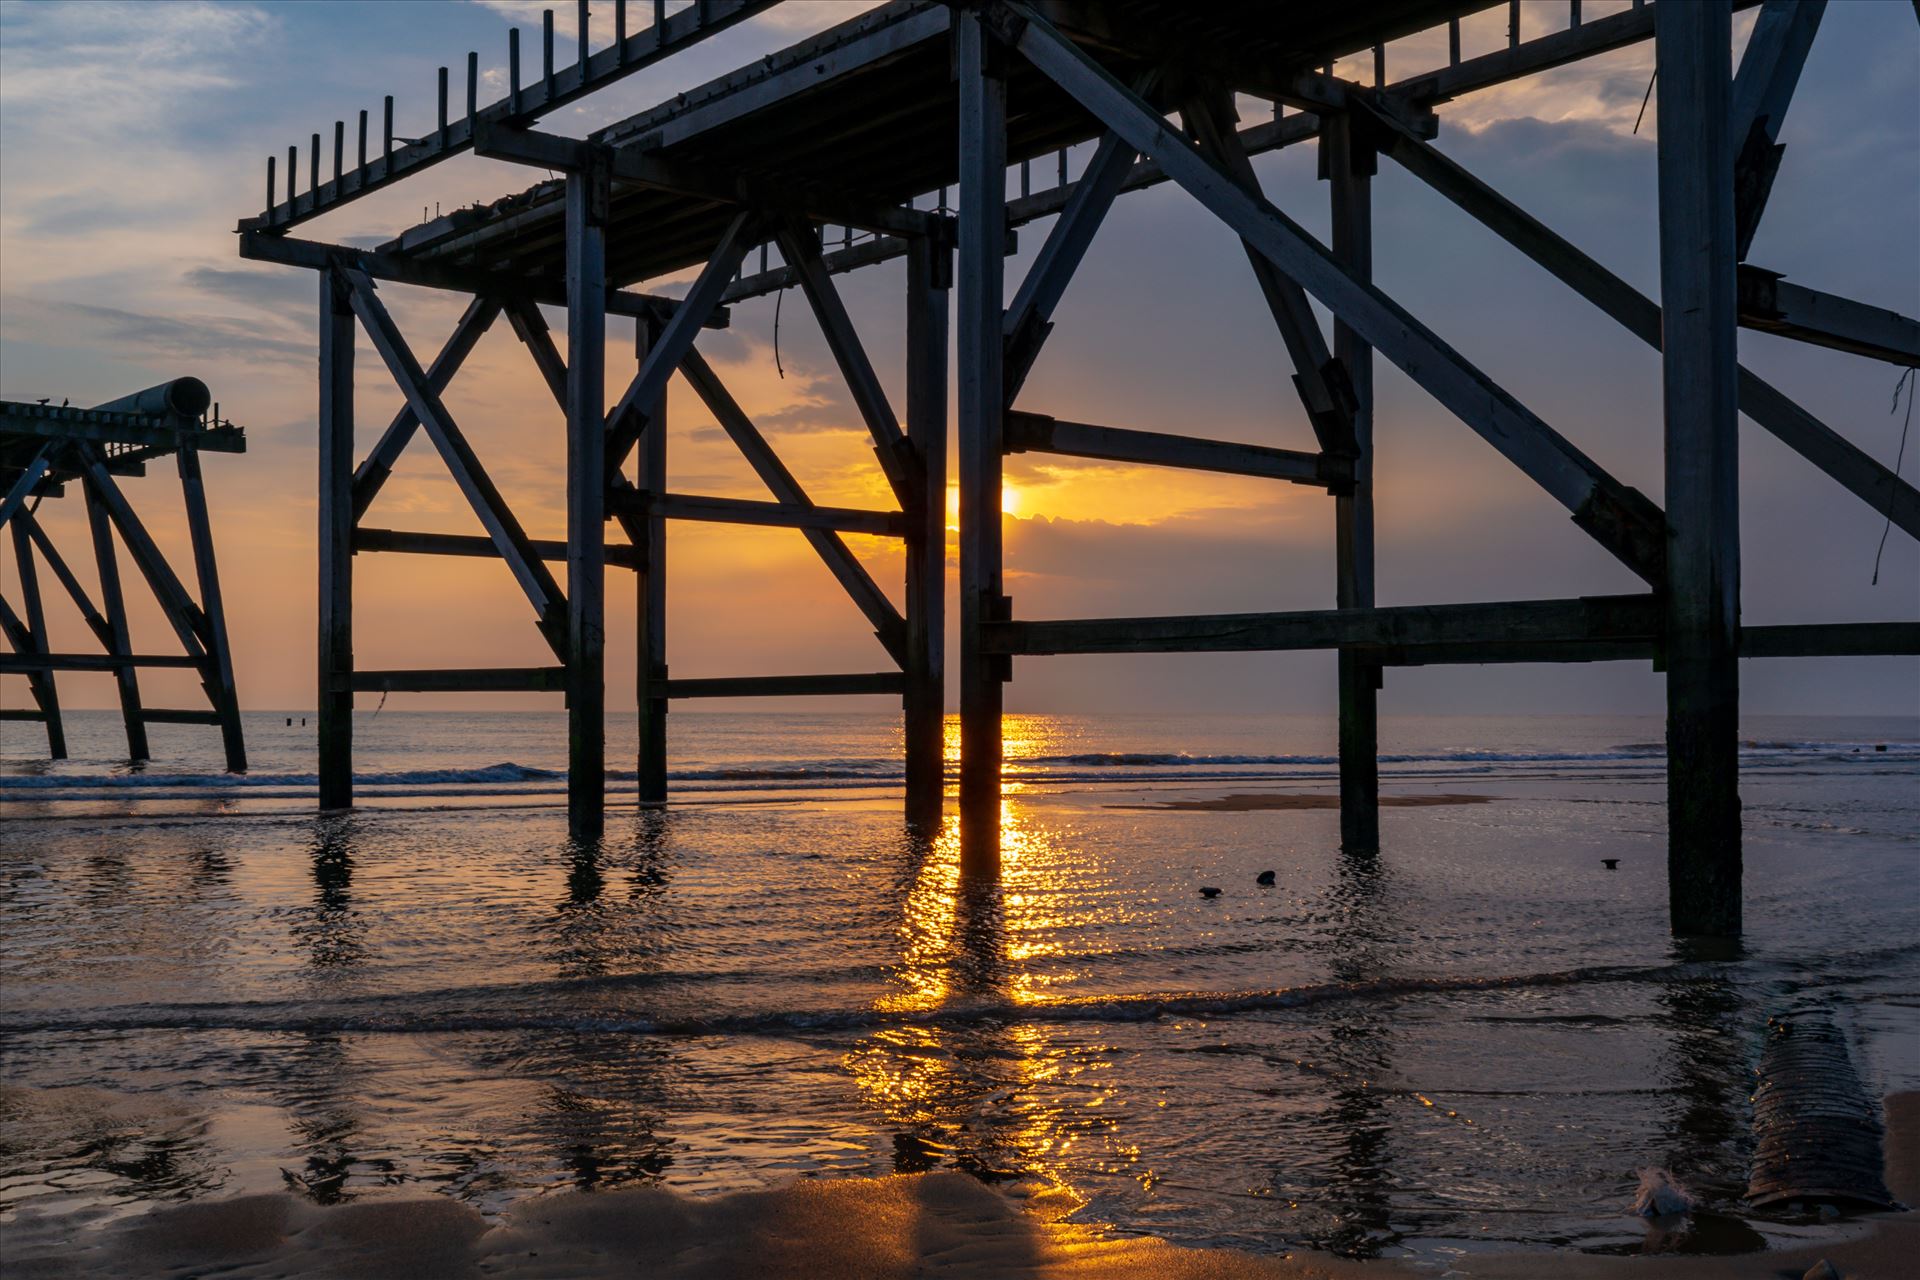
(1265, 877)
(1209, 891)
(1610, 863)
(1822, 1270)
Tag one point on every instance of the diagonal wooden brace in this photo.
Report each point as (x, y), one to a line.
(1623, 520)
(801, 248)
(549, 605)
(627, 419)
(378, 464)
(888, 625)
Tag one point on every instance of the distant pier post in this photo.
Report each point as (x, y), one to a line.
(929, 278)
(982, 403)
(1698, 318)
(1350, 164)
(651, 591)
(337, 328)
(588, 192)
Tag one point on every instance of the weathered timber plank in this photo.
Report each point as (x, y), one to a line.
(879, 682)
(1038, 433)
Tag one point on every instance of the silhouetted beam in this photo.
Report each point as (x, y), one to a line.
(800, 245)
(1600, 35)
(756, 87)
(637, 168)
(95, 620)
(165, 715)
(92, 661)
(30, 475)
(1037, 433)
(1769, 303)
(1831, 640)
(473, 545)
(134, 431)
(784, 515)
(21, 713)
(888, 626)
(543, 593)
(1531, 621)
(374, 469)
(290, 251)
(1799, 430)
(1320, 382)
(1621, 519)
(463, 680)
(627, 419)
(1769, 70)
(893, 682)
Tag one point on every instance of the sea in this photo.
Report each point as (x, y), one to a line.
(1476, 1037)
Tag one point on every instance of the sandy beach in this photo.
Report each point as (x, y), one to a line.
(895, 1228)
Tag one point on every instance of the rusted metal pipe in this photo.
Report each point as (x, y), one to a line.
(181, 398)
(1817, 1132)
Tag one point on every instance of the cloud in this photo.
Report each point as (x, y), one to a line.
(141, 335)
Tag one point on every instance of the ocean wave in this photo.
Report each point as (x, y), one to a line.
(413, 1014)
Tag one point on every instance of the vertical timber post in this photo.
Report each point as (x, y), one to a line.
(1699, 365)
(651, 591)
(44, 689)
(218, 675)
(113, 606)
(1350, 164)
(336, 542)
(929, 276)
(982, 393)
(588, 191)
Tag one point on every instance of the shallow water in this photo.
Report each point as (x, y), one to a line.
(1480, 1035)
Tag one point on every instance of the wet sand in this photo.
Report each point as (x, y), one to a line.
(1251, 802)
(923, 1225)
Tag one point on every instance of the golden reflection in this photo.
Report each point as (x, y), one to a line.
(970, 1073)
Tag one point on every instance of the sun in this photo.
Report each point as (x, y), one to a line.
(1010, 499)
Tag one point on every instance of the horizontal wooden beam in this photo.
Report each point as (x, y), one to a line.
(622, 554)
(1038, 433)
(92, 661)
(1523, 621)
(1831, 640)
(461, 680)
(396, 268)
(893, 682)
(785, 515)
(722, 186)
(21, 713)
(165, 715)
(1773, 305)
(135, 430)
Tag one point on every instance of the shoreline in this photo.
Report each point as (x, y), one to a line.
(911, 1225)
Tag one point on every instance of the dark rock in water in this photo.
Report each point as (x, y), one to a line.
(1610, 864)
(1209, 891)
(1821, 1270)
(1265, 877)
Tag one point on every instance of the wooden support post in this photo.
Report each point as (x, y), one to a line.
(1349, 165)
(929, 277)
(1699, 314)
(651, 591)
(336, 542)
(217, 674)
(588, 193)
(35, 634)
(113, 606)
(982, 399)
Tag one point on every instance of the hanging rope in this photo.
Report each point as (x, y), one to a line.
(1645, 98)
(778, 298)
(1907, 381)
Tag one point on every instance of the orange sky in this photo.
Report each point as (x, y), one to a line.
(132, 139)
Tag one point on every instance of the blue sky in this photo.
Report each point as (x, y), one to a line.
(134, 136)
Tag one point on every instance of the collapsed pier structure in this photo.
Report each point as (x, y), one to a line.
(841, 151)
(47, 448)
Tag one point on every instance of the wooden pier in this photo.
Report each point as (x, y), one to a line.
(44, 448)
(905, 132)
